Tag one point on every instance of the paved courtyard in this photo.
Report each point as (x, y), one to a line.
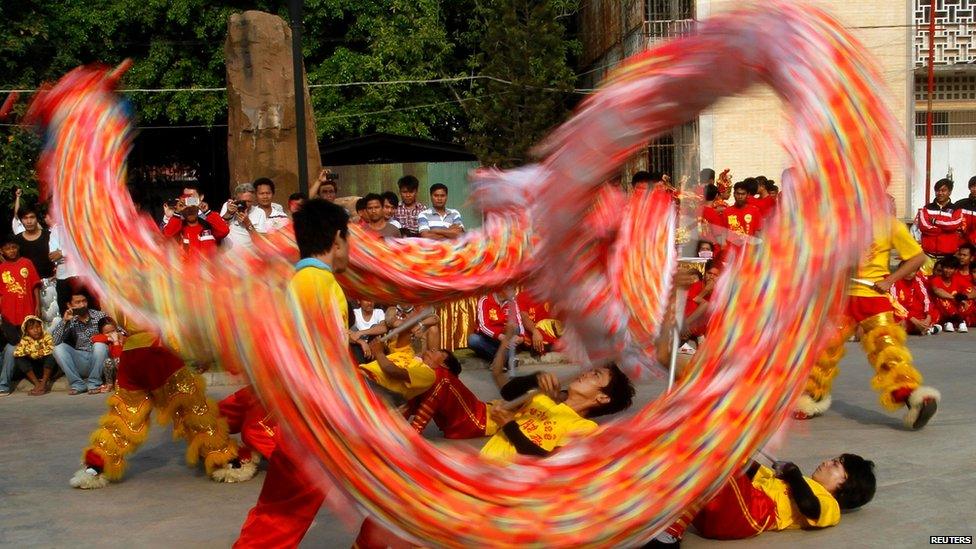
(927, 479)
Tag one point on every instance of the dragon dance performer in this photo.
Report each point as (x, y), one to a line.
(152, 376)
(289, 501)
(870, 307)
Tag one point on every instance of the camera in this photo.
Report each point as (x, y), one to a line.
(192, 201)
(241, 205)
(172, 202)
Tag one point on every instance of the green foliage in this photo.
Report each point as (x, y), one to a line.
(180, 44)
(18, 156)
(521, 42)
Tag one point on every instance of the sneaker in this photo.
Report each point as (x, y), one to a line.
(949, 327)
(935, 329)
(963, 329)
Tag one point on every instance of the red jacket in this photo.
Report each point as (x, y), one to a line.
(941, 228)
(492, 316)
(913, 296)
(196, 237)
(967, 208)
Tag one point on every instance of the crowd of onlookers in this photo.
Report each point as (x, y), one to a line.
(50, 325)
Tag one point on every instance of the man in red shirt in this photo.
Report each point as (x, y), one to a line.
(493, 310)
(19, 297)
(741, 220)
(965, 255)
(912, 294)
(199, 228)
(538, 321)
(940, 223)
(967, 209)
(954, 296)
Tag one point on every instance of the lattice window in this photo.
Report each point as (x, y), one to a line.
(960, 87)
(947, 123)
(955, 24)
(669, 10)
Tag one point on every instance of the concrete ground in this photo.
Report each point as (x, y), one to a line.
(927, 479)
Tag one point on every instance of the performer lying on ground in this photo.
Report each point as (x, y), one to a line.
(151, 376)
(548, 420)
(763, 499)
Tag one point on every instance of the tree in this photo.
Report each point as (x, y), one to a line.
(521, 42)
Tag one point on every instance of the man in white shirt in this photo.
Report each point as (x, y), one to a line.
(439, 222)
(243, 217)
(368, 322)
(264, 191)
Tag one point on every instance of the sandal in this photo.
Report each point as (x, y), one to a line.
(73, 392)
(106, 388)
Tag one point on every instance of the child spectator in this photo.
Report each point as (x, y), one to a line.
(109, 334)
(198, 228)
(538, 322)
(780, 498)
(953, 296)
(965, 255)
(35, 353)
(912, 294)
(19, 297)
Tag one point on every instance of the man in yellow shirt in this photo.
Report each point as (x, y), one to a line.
(871, 308)
(289, 501)
(552, 417)
(763, 499)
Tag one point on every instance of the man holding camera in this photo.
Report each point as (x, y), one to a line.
(79, 358)
(200, 229)
(243, 217)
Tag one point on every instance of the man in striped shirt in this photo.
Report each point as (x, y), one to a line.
(439, 222)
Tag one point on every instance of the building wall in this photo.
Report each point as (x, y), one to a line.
(956, 155)
(744, 133)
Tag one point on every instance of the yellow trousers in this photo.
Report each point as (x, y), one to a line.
(182, 400)
(884, 343)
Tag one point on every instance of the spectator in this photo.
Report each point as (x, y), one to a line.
(965, 255)
(741, 220)
(940, 223)
(191, 196)
(953, 296)
(409, 209)
(295, 201)
(73, 348)
(199, 228)
(368, 322)
(375, 220)
(766, 202)
(34, 242)
(264, 191)
(706, 177)
(65, 270)
(360, 211)
(110, 334)
(439, 222)
(538, 322)
(912, 294)
(492, 314)
(326, 186)
(967, 209)
(712, 216)
(390, 203)
(34, 355)
(641, 178)
(243, 218)
(19, 298)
